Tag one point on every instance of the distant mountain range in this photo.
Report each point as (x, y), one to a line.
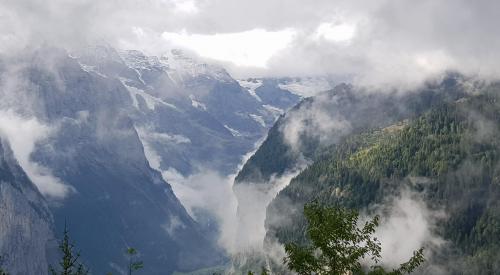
(191, 114)
(118, 120)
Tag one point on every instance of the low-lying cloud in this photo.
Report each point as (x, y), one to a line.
(239, 210)
(321, 119)
(407, 224)
(23, 134)
(313, 122)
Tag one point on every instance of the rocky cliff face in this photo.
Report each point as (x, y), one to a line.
(190, 115)
(27, 240)
(114, 199)
(117, 121)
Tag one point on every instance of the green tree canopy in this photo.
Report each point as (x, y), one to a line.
(338, 244)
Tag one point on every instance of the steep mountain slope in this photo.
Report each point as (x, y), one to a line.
(192, 118)
(322, 120)
(269, 91)
(190, 115)
(116, 199)
(120, 124)
(448, 157)
(27, 242)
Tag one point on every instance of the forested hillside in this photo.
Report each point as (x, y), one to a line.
(358, 109)
(449, 156)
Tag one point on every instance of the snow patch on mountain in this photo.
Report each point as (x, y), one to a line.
(258, 119)
(274, 110)
(306, 87)
(137, 60)
(234, 132)
(181, 67)
(150, 100)
(251, 86)
(166, 138)
(195, 103)
(91, 69)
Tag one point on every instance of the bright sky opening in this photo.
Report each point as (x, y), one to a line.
(335, 32)
(251, 48)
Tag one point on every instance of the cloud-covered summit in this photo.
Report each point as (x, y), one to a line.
(379, 42)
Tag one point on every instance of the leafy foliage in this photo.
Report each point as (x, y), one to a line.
(451, 155)
(338, 244)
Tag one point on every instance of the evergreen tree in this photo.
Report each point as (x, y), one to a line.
(338, 245)
(133, 264)
(69, 264)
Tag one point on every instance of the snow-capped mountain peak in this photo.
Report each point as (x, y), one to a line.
(182, 67)
(138, 60)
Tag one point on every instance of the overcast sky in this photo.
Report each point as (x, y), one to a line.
(376, 41)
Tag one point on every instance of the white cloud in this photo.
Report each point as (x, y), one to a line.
(23, 134)
(249, 48)
(379, 42)
(307, 87)
(314, 120)
(335, 32)
(253, 199)
(186, 6)
(149, 137)
(240, 210)
(407, 224)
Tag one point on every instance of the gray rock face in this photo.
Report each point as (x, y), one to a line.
(118, 115)
(118, 199)
(192, 115)
(26, 224)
